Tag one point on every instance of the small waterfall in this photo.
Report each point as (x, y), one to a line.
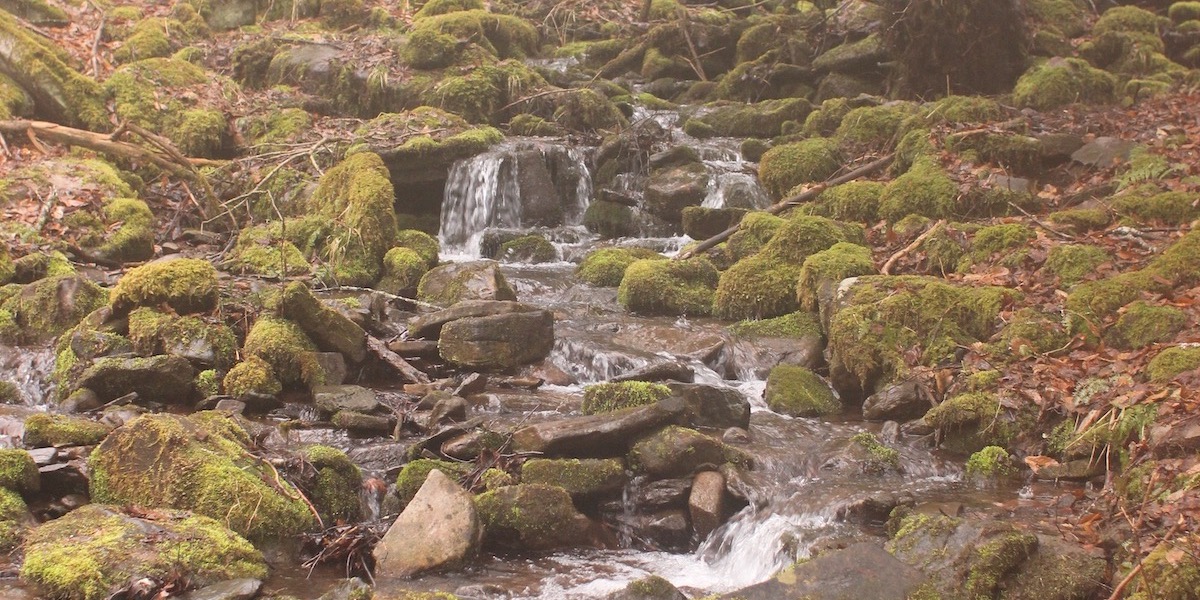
(589, 363)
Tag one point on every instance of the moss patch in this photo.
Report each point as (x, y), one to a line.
(1073, 262)
(1143, 324)
(285, 347)
(18, 471)
(606, 267)
(792, 325)
(335, 488)
(187, 285)
(1063, 81)
(580, 477)
(252, 375)
(403, 269)
(609, 397)
(827, 268)
(659, 287)
(44, 429)
(785, 167)
(357, 196)
(798, 392)
(1173, 361)
(925, 190)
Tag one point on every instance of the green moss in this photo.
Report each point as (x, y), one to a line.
(1143, 324)
(971, 421)
(606, 267)
(828, 268)
(886, 318)
(588, 111)
(252, 375)
(759, 120)
(285, 347)
(9, 392)
(335, 489)
(528, 249)
(422, 243)
(991, 561)
(1081, 220)
(138, 92)
(148, 39)
(674, 287)
(798, 392)
(198, 463)
(1173, 361)
(18, 471)
(402, 271)
(505, 36)
(825, 120)
(263, 250)
(1007, 239)
(1014, 151)
(357, 196)
(44, 429)
(880, 458)
(106, 545)
(1032, 331)
(69, 98)
(1073, 262)
(208, 383)
(533, 126)
(278, 126)
(413, 475)
(1063, 81)
(578, 477)
(340, 14)
(1170, 572)
(793, 325)
(134, 239)
(992, 461)
(1180, 12)
(961, 109)
(784, 167)
(609, 220)
(874, 126)
(186, 285)
(801, 236)
(528, 516)
(758, 287)
(853, 201)
(1169, 208)
(925, 190)
(7, 270)
(756, 229)
(51, 306)
(609, 397)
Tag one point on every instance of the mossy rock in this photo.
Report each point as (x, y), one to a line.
(94, 551)
(528, 249)
(971, 421)
(18, 471)
(137, 92)
(1064, 16)
(482, 95)
(1017, 152)
(1074, 262)
(454, 282)
(789, 165)
(1171, 362)
(253, 375)
(504, 36)
(51, 306)
(961, 109)
(530, 517)
(874, 126)
(1181, 12)
(198, 463)
(881, 318)
(609, 220)
(925, 190)
(357, 196)
(403, 269)
(700, 222)
(14, 519)
(281, 126)
(153, 37)
(1033, 331)
(606, 267)
(754, 231)
(420, 242)
(801, 236)
(658, 287)
(608, 397)
(676, 451)
(856, 201)
(1007, 239)
(44, 429)
(824, 270)
(264, 250)
(1170, 572)
(187, 285)
(760, 120)
(1143, 324)
(1168, 208)
(1063, 81)
(61, 93)
(207, 344)
(329, 329)
(423, 141)
(583, 478)
(588, 111)
(334, 490)
(798, 392)
(413, 475)
(285, 347)
(873, 456)
(133, 241)
(7, 269)
(1081, 220)
(758, 287)
(796, 325)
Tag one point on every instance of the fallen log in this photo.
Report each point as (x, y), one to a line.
(395, 361)
(791, 201)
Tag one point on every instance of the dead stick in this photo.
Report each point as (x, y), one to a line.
(891, 261)
(1120, 589)
(395, 361)
(96, 47)
(787, 203)
(686, 26)
(1039, 223)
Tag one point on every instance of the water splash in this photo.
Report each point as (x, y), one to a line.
(481, 192)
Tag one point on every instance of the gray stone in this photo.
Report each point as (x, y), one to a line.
(449, 409)
(852, 57)
(901, 401)
(759, 355)
(706, 503)
(439, 529)
(456, 282)
(1081, 469)
(671, 190)
(712, 406)
(234, 589)
(164, 379)
(498, 342)
(676, 451)
(335, 398)
(333, 366)
(1104, 152)
(230, 14)
(430, 325)
(667, 370)
(601, 436)
(357, 422)
(861, 571)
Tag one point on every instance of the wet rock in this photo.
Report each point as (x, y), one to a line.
(540, 203)
(651, 587)
(531, 517)
(329, 329)
(498, 342)
(80, 400)
(861, 571)
(335, 398)
(429, 326)
(587, 477)
(438, 529)
(230, 405)
(662, 530)
(660, 494)
(121, 548)
(455, 282)
(1081, 469)
(472, 383)
(599, 436)
(712, 406)
(701, 223)
(469, 445)
(735, 435)
(873, 509)
(50, 306)
(234, 589)
(18, 471)
(669, 370)
(378, 457)
(332, 365)
(706, 503)
(669, 191)
(450, 409)
(350, 589)
(359, 423)
(901, 401)
(852, 57)
(163, 379)
(46, 429)
(676, 451)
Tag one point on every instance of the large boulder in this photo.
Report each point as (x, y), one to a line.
(531, 517)
(187, 285)
(329, 329)
(430, 325)
(671, 190)
(676, 451)
(455, 282)
(606, 435)
(438, 529)
(861, 571)
(50, 306)
(498, 342)
(94, 551)
(43, 71)
(199, 463)
(354, 202)
(587, 477)
(162, 378)
(712, 406)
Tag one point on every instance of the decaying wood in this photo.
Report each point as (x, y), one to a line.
(791, 201)
(891, 261)
(395, 361)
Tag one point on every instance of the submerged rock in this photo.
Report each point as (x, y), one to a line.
(439, 529)
(860, 571)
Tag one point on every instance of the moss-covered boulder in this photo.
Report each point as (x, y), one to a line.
(199, 463)
(879, 319)
(203, 343)
(528, 249)
(264, 250)
(137, 93)
(608, 397)
(670, 190)
(582, 478)
(403, 269)
(253, 375)
(43, 70)
(1173, 361)
(758, 287)
(798, 392)
(498, 342)
(674, 287)
(530, 517)
(609, 220)
(187, 285)
(7, 269)
(824, 270)
(1143, 324)
(413, 475)
(18, 471)
(45, 429)
(284, 346)
(357, 197)
(1170, 572)
(50, 306)
(133, 240)
(477, 280)
(606, 267)
(420, 145)
(505, 36)
(785, 167)
(329, 329)
(754, 231)
(1074, 262)
(971, 421)
(1169, 208)
(95, 551)
(1062, 81)
(925, 190)
(334, 487)
(676, 452)
(701, 222)
(856, 201)
(425, 245)
(1032, 331)
(760, 120)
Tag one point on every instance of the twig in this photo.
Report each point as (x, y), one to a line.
(395, 361)
(4, 145)
(1039, 223)
(351, 288)
(685, 25)
(891, 261)
(1119, 590)
(787, 203)
(47, 207)
(96, 46)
